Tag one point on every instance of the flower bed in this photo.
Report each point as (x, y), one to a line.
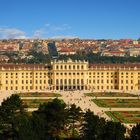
(34, 103)
(41, 94)
(110, 94)
(131, 117)
(117, 103)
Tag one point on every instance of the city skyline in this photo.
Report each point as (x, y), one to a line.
(90, 19)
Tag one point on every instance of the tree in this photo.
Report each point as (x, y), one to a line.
(135, 132)
(11, 112)
(92, 127)
(54, 116)
(113, 131)
(75, 115)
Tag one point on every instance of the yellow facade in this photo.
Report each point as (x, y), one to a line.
(69, 75)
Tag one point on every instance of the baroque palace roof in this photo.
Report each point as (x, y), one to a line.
(129, 65)
(44, 66)
(23, 66)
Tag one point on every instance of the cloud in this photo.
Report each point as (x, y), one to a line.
(43, 32)
(11, 33)
(61, 28)
(47, 24)
(50, 30)
(39, 33)
(63, 37)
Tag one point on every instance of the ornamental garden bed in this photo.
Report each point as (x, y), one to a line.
(37, 94)
(110, 94)
(124, 116)
(34, 103)
(117, 103)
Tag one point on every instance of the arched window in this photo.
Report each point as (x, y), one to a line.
(57, 81)
(61, 81)
(65, 81)
(69, 81)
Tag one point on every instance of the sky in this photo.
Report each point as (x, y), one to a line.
(87, 19)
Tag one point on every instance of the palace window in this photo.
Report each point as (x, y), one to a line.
(57, 67)
(57, 81)
(82, 81)
(65, 81)
(70, 81)
(77, 81)
(61, 81)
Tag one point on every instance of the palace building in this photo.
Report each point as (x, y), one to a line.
(69, 75)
